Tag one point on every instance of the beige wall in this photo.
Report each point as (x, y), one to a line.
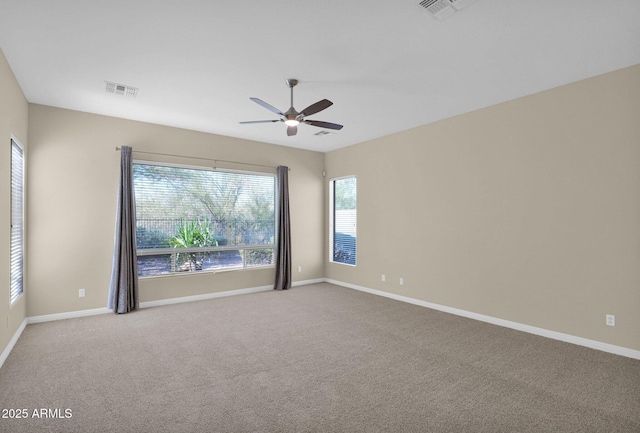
(527, 211)
(14, 114)
(73, 178)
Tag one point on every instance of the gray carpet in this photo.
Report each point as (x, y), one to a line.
(317, 358)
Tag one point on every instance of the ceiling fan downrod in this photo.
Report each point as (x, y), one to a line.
(291, 114)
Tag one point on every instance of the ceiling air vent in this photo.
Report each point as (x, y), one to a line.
(441, 9)
(121, 89)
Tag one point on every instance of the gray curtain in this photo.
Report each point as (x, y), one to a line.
(123, 290)
(283, 232)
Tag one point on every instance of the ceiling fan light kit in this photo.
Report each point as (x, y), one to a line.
(293, 118)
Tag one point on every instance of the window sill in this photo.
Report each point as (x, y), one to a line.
(211, 271)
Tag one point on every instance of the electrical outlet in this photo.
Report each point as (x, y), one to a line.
(610, 320)
(401, 281)
(81, 293)
(299, 268)
(384, 278)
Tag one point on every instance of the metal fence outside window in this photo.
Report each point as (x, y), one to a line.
(157, 232)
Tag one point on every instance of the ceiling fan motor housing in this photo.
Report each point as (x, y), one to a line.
(291, 114)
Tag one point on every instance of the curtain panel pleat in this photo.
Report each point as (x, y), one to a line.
(283, 241)
(123, 289)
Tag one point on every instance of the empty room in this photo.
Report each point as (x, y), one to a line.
(288, 216)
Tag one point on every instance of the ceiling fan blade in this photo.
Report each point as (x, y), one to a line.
(321, 124)
(267, 106)
(260, 121)
(315, 108)
(292, 130)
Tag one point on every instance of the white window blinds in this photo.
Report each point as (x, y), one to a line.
(17, 220)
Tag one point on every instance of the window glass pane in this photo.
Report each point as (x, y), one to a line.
(259, 257)
(227, 259)
(157, 264)
(17, 220)
(177, 261)
(207, 260)
(204, 211)
(344, 214)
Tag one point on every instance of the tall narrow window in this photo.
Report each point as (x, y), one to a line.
(17, 219)
(198, 219)
(343, 194)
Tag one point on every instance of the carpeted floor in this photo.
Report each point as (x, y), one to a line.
(318, 358)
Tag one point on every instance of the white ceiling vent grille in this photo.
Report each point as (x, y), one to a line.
(441, 9)
(121, 89)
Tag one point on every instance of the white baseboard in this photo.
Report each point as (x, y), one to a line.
(7, 350)
(307, 282)
(605, 347)
(68, 315)
(202, 297)
(222, 294)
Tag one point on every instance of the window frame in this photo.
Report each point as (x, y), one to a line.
(242, 249)
(16, 293)
(332, 221)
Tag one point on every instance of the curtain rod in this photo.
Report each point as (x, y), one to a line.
(201, 158)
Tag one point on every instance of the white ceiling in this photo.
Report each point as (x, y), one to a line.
(386, 64)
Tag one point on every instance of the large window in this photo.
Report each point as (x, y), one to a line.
(343, 194)
(198, 219)
(17, 220)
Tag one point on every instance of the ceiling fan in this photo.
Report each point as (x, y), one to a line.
(292, 117)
